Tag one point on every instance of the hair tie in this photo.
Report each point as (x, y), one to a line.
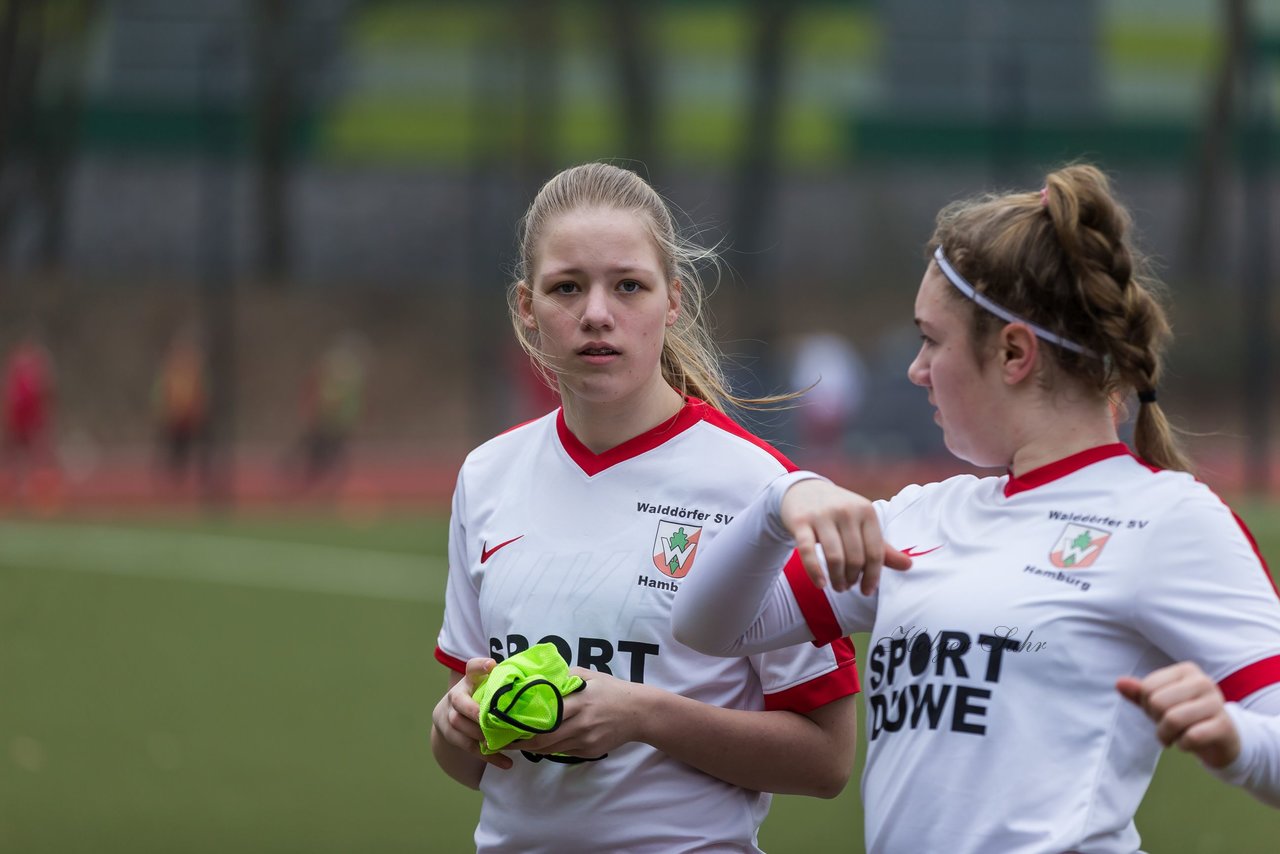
(1044, 196)
(1148, 396)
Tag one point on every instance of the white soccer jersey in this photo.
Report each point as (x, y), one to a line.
(993, 721)
(550, 542)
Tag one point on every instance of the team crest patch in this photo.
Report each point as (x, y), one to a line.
(1078, 547)
(674, 547)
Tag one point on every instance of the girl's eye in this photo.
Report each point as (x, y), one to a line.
(629, 286)
(564, 288)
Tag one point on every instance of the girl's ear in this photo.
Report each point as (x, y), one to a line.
(1019, 351)
(524, 305)
(674, 292)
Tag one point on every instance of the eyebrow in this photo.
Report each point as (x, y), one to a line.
(612, 271)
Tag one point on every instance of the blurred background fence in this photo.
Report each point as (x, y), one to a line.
(318, 198)
(253, 256)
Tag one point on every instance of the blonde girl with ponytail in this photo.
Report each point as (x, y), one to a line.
(579, 529)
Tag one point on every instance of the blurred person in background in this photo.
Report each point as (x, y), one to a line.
(180, 404)
(828, 367)
(578, 529)
(332, 404)
(1060, 623)
(30, 464)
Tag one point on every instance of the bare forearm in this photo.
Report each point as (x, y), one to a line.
(463, 766)
(776, 751)
(458, 764)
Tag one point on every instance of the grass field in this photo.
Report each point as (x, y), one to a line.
(265, 685)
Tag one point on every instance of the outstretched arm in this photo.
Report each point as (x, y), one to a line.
(738, 603)
(1238, 745)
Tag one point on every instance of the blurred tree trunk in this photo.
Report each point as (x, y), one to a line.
(218, 96)
(540, 99)
(20, 54)
(757, 173)
(1256, 111)
(755, 198)
(275, 109)
(10, 36)
(59, 129)
(524, 69)
(1203, 234)
(635, 83)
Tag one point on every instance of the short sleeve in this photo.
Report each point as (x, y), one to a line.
(462, 635)
(1207, 596)
(805, 676)
(890, 509)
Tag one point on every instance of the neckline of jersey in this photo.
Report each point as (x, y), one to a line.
(592, 463)
(1063, 467)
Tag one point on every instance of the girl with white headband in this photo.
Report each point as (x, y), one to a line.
(1060, 622)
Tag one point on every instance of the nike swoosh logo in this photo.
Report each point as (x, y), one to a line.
(485, 553)
(911, 552)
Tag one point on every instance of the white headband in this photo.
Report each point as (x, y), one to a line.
(1000, 311)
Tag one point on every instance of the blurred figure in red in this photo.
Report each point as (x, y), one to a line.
(180, 403)
(29, 466)
(531, 393)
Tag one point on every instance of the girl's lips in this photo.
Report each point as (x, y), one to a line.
(598, 353)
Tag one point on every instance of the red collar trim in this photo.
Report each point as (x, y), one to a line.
(1061, 468)
(592, 463)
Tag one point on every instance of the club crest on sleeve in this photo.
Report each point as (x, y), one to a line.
(675, 545)
(1078, 547)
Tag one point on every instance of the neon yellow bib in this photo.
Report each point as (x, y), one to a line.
(524, 696)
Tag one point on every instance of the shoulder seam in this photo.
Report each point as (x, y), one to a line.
(719, 421)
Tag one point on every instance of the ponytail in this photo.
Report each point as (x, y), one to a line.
(1063, 259)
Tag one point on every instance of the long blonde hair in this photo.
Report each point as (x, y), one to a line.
(1063, 258)
(691, 361)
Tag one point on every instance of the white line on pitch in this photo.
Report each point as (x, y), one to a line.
(219, 559)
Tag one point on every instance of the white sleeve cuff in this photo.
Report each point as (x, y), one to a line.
(1257, 768)
(773, 501)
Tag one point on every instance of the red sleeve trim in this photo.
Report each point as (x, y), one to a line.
(714, 416)
(827, 688)
(1252, 678)
(813, 603)
(1248, 535)
(455, 664)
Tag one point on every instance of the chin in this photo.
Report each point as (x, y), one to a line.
(979, 460)
(596, 392)
(972, 456)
